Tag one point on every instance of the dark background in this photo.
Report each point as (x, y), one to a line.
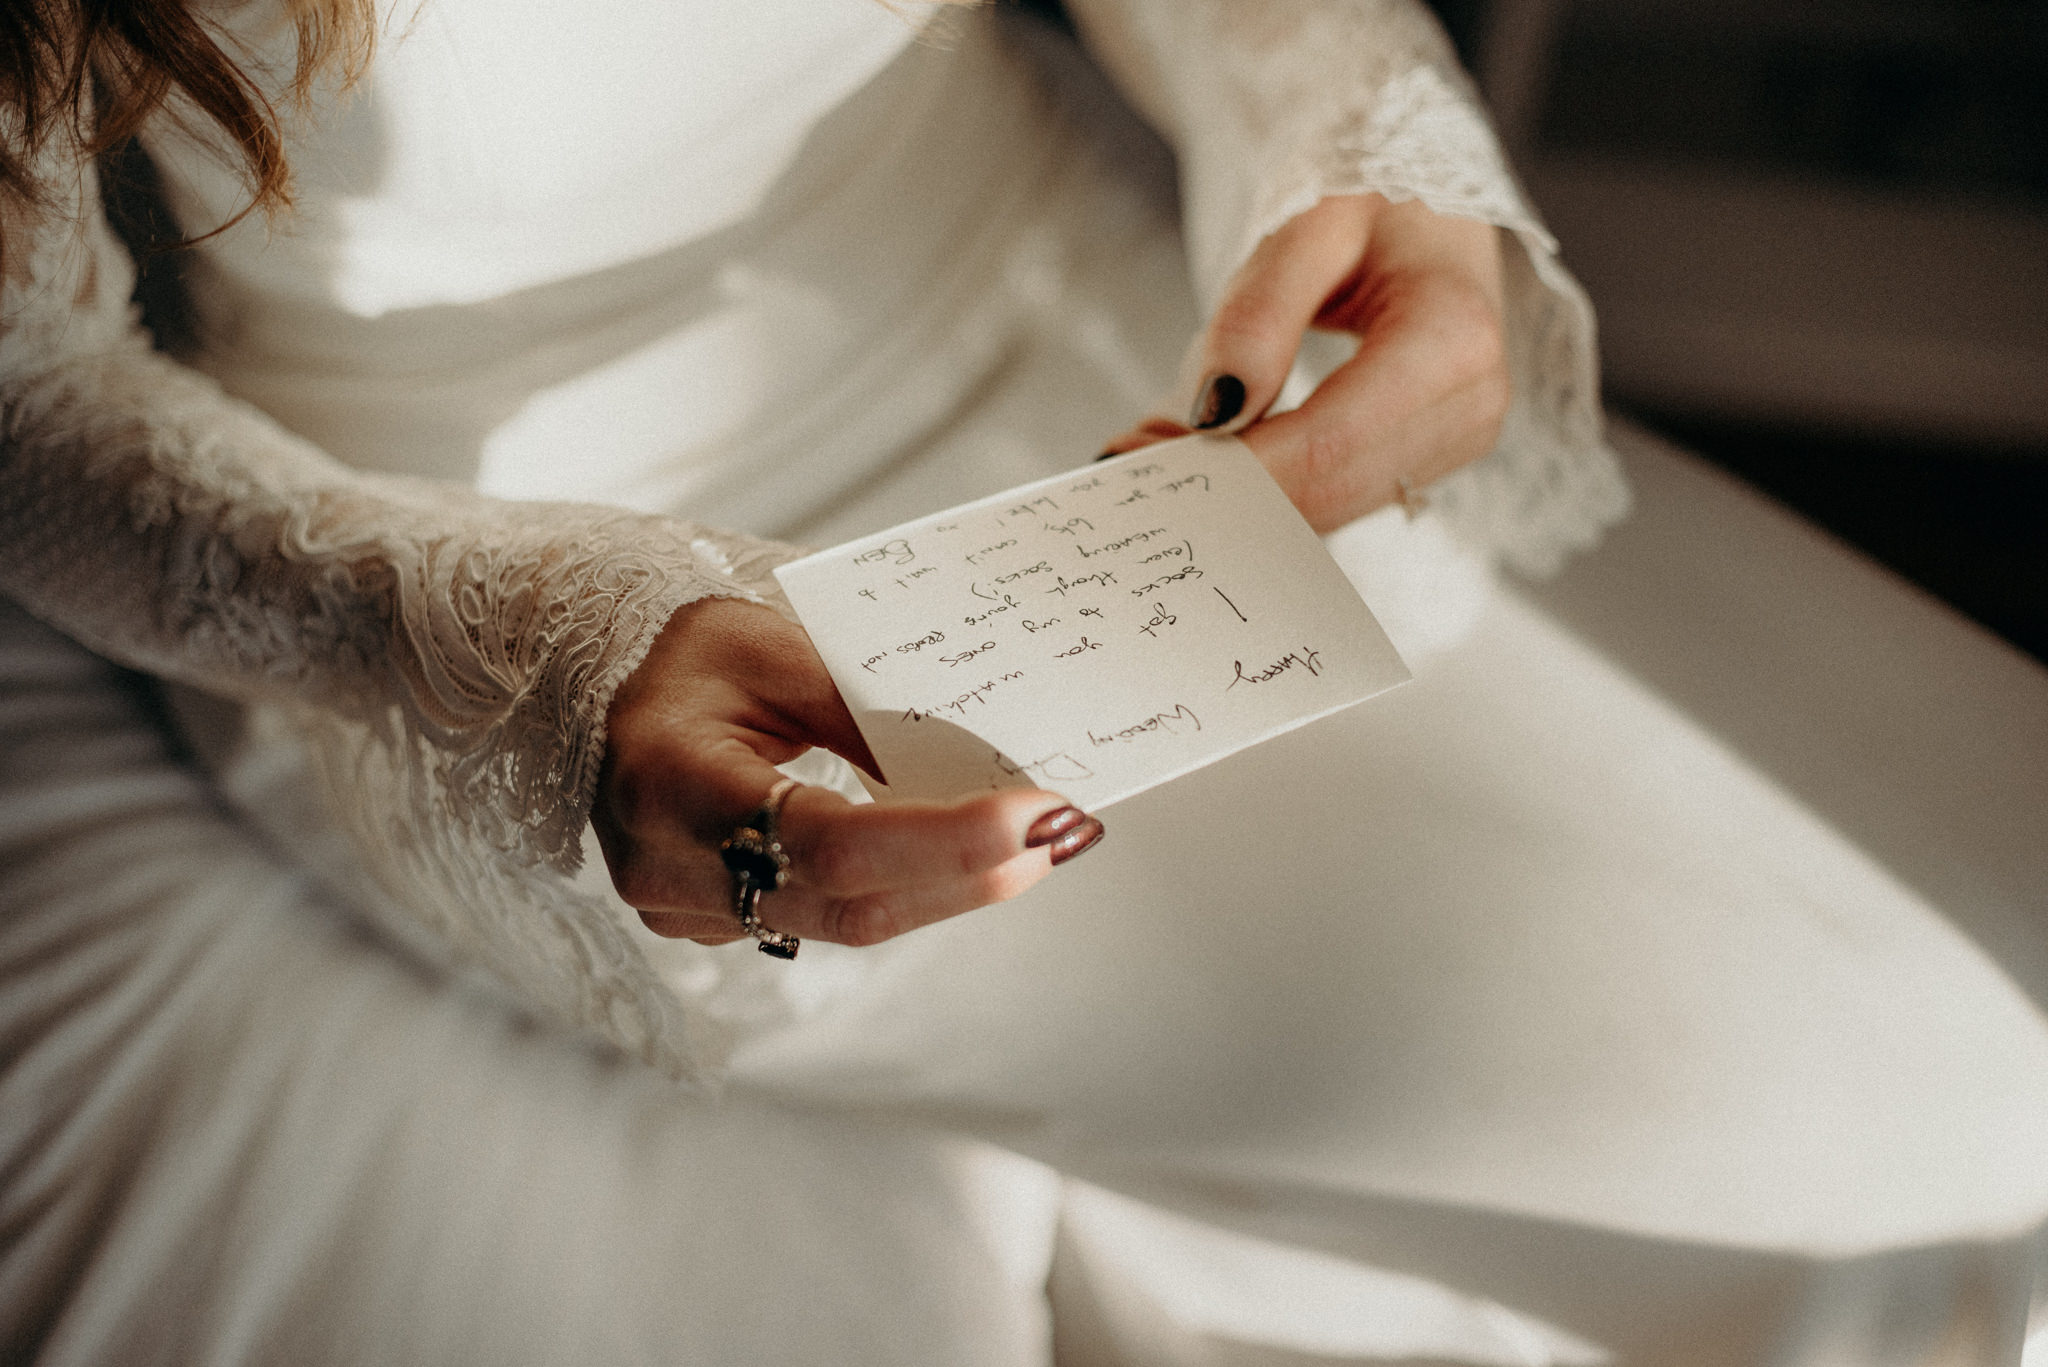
(1817, 235)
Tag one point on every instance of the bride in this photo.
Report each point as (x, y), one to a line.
(1504, 1019)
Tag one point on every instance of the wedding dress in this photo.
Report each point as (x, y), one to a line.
(302, 1058)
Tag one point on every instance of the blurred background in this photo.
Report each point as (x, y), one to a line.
(1817, 237)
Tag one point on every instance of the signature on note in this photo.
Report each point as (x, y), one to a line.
(1303, 658)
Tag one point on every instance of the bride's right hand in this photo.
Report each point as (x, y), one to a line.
(730, 690)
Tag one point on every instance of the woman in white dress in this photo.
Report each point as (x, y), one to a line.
(319, 1048)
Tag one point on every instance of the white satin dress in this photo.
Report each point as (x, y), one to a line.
(1656, 979)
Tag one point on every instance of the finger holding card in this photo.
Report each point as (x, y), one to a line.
(999, 672)
(729, 691)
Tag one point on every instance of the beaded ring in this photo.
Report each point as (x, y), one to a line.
(755, 858)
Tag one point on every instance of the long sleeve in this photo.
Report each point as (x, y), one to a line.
(1273, 106)
(450, 658)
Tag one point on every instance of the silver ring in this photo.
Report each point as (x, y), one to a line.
(754, 857)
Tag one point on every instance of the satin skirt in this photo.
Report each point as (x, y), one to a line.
(1657, 978)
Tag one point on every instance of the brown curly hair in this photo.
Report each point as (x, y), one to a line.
(96, 70)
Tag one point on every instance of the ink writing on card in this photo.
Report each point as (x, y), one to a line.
(1096, 633)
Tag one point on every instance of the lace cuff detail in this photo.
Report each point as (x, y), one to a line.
(449, 658)
(1273, 107)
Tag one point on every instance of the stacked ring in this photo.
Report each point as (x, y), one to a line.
(755, 859)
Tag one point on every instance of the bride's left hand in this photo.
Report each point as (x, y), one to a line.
(1424, 395)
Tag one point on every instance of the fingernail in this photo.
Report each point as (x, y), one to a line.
(1221, 399)
(1053, 824)
(1077, 841)
(1112, 451)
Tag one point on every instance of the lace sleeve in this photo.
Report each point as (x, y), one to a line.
(1274, 106)
(459, 650)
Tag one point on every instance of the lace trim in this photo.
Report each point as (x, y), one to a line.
(1274, 107)
(433, 645)
(1551, 485)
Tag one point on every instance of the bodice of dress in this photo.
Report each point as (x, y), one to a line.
(671, 258)
(494, 148)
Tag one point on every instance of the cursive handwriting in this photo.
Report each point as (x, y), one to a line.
(958, 706)
(1160, 618)
(981, 591)
(1189, 573)
(1124, 543)
(976, 619)
(1036, 507)
(1184, 549)
(1059, 767)
(964, 656)
(1305, 658)
(977, 557)
(1159, 723)
(1103, 577)
(896, 552)
(1014, 575)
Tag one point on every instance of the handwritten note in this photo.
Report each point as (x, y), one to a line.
(1096, 633)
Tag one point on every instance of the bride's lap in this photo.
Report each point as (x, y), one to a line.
(235, 1129)
(1513, 978)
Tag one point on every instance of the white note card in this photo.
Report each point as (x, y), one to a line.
(1096, 633)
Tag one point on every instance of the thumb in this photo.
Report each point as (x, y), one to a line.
(800, 691)
(1242, 358)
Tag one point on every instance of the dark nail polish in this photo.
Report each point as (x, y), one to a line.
(1077, 841)
(1053, 824)
(1112, 451)
(1221, 399)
